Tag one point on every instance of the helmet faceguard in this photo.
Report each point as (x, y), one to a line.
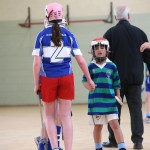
(64, 22)
(99, 42)
(100, 59)
(46, 22)
(54, 11)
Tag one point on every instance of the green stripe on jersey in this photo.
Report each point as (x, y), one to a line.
(103, 80)
(103, 110)
(101, 100)
(103, 90)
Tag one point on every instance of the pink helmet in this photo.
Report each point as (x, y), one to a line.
(53, 11)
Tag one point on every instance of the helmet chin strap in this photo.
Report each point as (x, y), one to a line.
(100, 59)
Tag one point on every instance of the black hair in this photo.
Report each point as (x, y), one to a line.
(56, 33)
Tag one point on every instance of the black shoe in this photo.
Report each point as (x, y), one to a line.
(99, 149)
(138, 146)
(109, 144)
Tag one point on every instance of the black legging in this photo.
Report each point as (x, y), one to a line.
(134, 101)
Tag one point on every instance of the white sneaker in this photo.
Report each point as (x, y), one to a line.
(56, 148)
(36, 140)
(146, 120)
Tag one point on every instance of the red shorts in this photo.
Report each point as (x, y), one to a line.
(61, 87)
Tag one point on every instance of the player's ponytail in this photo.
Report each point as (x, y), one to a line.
(56, 34)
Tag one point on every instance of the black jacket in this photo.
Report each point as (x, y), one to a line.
(125, 41)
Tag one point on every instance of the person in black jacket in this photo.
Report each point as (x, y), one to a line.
(125, 41)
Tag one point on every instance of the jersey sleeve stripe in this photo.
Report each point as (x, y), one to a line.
(36, 52)
(77, 52)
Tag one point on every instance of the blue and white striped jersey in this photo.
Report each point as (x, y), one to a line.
(56, 61)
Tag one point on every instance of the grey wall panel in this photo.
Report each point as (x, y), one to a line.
(16, 44)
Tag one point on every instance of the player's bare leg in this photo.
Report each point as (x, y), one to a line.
(49, 109)
(66, 120)
(118, 134)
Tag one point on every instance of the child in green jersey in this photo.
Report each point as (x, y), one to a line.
(102, 106)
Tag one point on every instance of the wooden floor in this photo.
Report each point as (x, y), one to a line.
(19, 126)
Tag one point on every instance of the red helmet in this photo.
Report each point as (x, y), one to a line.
(100, 41)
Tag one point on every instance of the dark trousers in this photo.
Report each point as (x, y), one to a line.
(134, 101)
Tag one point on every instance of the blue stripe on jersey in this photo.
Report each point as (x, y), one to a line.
(99, 74)
(101, 95)
(56, 69)
(104, 85)
(116, 78)
(102, 113)
(94, 105)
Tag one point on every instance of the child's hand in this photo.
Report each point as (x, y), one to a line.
(119, 99)
(92, 85)
(88, 86)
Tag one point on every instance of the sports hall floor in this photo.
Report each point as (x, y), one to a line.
(20, 124)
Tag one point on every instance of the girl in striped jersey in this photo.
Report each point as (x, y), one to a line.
(42, 141)
(52, 52)
(102, 106)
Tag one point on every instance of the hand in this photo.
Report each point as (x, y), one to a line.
(37, 90)
(144, 46)
(119, 97)
(119, 100)
(91, 85)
